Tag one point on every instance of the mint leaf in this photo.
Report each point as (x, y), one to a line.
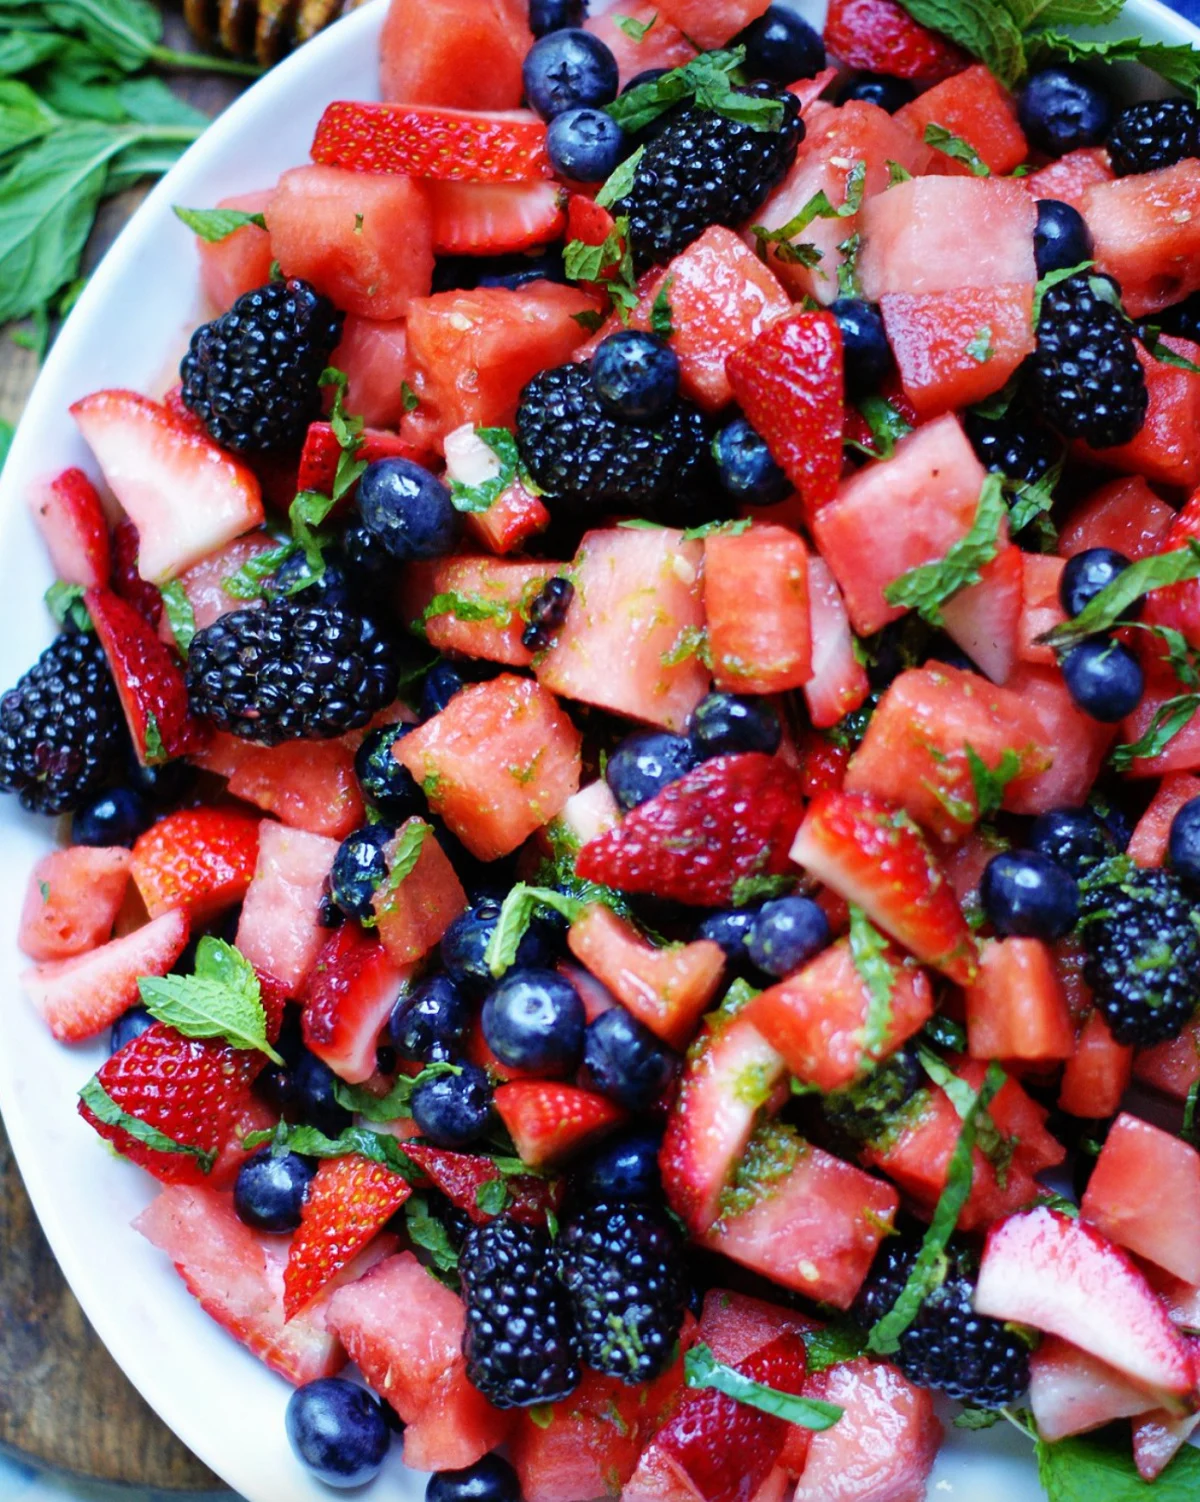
(1165, 355)
(897, 174)
(1178, 64)
(887, 427)
(348, 431)
(926, 588)
(980, 347)
(748, 891)
(492, 1197)
(997, 1148)
(180, 615)
(466, 608)
(619, 182)
(976, 1418)
(1031, 499)
(379, 1147)
(397, 1102)
(152, 741)
(868, 950)
(1027, 13)
(1105, 610)
(516, 914)
(1100, 1468)
(587, 263)
(709, 529)
(65, 603)
(1187, 1129)
(702, 1369)
(831, 1344)
(247, 582)
(635, 30)
(954, 146)
(408, 397)
(984, 28)
(819, 206)
(708, 80)
(7, 434)
(1169, 719)
(480, 497)
(215, 225)
(926, 1274)
(402, 861)
(427, 1231)
(660, 311)
(990, 783)
(102, 1106)
(847, 272)
(222, 999)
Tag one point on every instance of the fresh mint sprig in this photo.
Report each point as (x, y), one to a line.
(221, 999)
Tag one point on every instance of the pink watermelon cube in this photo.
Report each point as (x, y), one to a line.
(240, 262)
(72, 901)
(280, 931)
(374, 357)
(431, 54)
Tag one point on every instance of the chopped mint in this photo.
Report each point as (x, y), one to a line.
(102, 1106)
(466, 608)
(1052, 279)
(180, 615)
(819, 206)
(887, 425)
(990, 782)
(221, 999)
(1169, 719)
(748, 891)
(355, 1141)
(620, 180)
(635, 30)
(215, 225)
(65, 604)
(409, 397)
(660, 311)
(1100, 1468)
(492, 1197)
(926, 588)
(516, 914)
(588, 263)
(397, 1102)
(868, 949)
(426, 1231)
(480, 497)
(954, 146)
(1105, 610)
(980, 347)
(702, 1369)
(709, 81)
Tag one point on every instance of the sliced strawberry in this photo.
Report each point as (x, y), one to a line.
(80, 997)
(322, 451)
(872, 853)
(839, 682)
(732, 817)
(196, 1092)
(149, 680)
(145, 598)
(186, 496)
(235, 1274)
(731, 1075)
(349, 1202)
(791, 385)
(348, 997)
(72, 901)
(419, 140)
(70, 516)
(587, 222)
(726, 1449)
(666, 989)
(485, 219)
(551, 1122)
(460, 1177)
(200, 860)
(881, 36)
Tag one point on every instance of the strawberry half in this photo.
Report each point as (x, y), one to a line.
(196, 1092)
(550, 1122)
(145, 598)
(349, 1201)
(149, 680)
(881, 36)
(731, 817)
(460, 1177)
(871, 853)
(70, 517)
(421, 140)
(322, 452)
(200, 860)
(348, 997)
(791, 384)
(484, 219)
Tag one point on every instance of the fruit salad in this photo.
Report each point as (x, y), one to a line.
(628, 734)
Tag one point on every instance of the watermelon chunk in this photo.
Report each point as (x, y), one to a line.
(240, 262)
(1146, 230)
(306, 784)
(1144, 1194)
(72, 901)
(373, 356)
(279, 930)
(1079, 744)
(1148, 845)
(661, 46)
(756, 601)
(973, 106)
(413, 915)
(839, 682)
(712, 23)
(1016, 1008)
(431, 55)
(1069, 178)
(504, 590)
(1167, 450)
(1041, 609)
(1124, 514)
(1097, 1074)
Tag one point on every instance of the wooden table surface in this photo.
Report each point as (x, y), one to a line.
(63, 1401)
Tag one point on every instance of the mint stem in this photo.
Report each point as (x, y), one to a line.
(199, 62)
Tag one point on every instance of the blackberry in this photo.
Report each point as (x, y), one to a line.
(520, 1341)
(61, 731)
(253, 376)
(1086, 371)
(623, 1268)
(1015, 445)
(706, 169)
(968, 1356)
(547, 614)
(1142, 951)
(290, 672)
(1155, 133)
(573, 449)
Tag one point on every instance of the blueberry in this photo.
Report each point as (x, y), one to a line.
(585, 145)
(865, 348)
(465, 942)
(555, 15)
(407, 509)
(1184, 844)
(1062, 239)
(1088, 574)
(332, 587)
(731, 930)
(164, 785)
(567, 69)
(1104, 679)
(728, 723)
(745, 466)
(442, 682)
(626, 1061)
(534, 1019)
(547, 613)
(452, 1110)
(115, 817)
(781, 46)
(311, 1088)
(491, 1479)
(359, 869)
(518, 269)
(635, 375)
(644, 763)
(647, 75)
(623, 1168)
(787, 933)
(1062, 109)
(338, 1430)
(430, 1022)
(1075, 838)
(271, 1189)
(888, 93)
(128, 1026)
(1023, 893)
(387, 786)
